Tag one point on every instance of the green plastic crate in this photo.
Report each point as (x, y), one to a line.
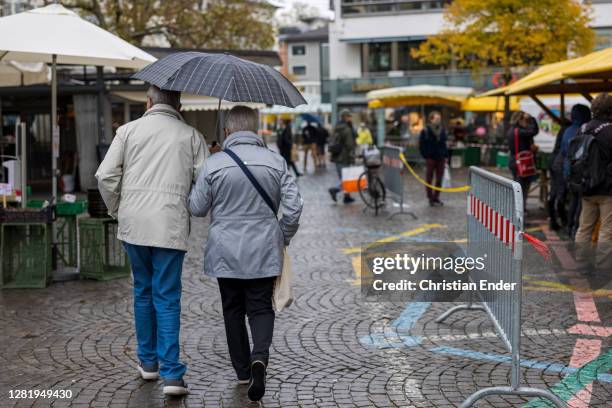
(543, 161)
(66, 240)
(502, 159)
(75, 208)
(35, 203)
(492, 156)
(25, 254)
(471, 156)
(102, 256)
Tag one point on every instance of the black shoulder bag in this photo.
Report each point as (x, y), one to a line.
(252, 179)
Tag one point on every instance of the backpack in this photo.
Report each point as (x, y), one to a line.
(588, 161)
(336, 145)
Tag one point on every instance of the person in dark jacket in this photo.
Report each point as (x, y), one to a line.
(432, 144)
(284, 142)
(597, 204)
(559, 172)
(322, 136)
(527, 129)
(342, 149)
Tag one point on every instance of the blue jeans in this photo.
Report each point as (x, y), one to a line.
(157, 306)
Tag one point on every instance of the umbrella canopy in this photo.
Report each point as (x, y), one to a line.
(222, 76)
(14, 73)
(310, 118)
(36, 35)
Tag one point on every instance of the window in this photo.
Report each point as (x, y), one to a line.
(405, 61)
(298, 70)
(356, 7)
(379, 57)
(298, 50)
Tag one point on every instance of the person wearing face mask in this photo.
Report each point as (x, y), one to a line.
(432, 145)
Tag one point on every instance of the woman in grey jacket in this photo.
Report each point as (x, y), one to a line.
(245, 245)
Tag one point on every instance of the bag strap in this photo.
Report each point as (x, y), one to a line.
(516, 143)
(252, 179)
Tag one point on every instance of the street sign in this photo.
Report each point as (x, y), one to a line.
(6, 189)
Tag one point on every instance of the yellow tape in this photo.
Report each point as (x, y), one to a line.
(426, 184)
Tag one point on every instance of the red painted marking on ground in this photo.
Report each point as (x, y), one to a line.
(589, 330)
(585, 350)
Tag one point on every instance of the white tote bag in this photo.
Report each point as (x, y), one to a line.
(283, 291)
(446, 178)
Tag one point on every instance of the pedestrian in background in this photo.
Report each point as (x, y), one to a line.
(597, 200)
(145, 180)
(284, 142)
(523, 127)
(245, 246)
(559, 173)
(342, 151)
(309, 144)
(364, 138)
(322, 136)
(432, 145)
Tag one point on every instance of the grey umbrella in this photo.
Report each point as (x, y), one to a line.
(222, 76)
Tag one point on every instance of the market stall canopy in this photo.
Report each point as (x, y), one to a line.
(313, 105)
(36, 35)
(189, 102)
(577, 75)
(418, 95)
(13, 73)
(489, 104)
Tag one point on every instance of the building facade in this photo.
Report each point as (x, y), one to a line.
(370, 42)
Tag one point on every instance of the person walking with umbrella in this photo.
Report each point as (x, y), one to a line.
(248, 261)
(145, 179)
(284, 143)
(243, 187)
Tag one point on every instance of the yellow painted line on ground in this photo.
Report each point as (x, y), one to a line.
(410, 233)
(356, 261)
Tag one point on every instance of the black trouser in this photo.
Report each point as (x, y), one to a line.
(252, 298)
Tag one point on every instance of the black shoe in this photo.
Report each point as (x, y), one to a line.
(348, 199)
(175, 388)
(257, 386)
(438, 203)
(333, 192)
(299, 174)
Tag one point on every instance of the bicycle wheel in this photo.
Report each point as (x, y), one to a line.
(377, 192)
(364, 191)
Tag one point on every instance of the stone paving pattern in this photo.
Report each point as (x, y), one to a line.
(79, 335)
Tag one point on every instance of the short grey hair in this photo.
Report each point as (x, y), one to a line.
(241, 118)
(157, 95)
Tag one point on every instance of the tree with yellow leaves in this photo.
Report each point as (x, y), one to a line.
(509, 34)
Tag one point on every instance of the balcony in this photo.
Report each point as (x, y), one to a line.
(360, 8)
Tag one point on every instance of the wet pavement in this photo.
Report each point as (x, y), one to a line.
(331, 349)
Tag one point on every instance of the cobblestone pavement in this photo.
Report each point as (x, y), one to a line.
(79, 335)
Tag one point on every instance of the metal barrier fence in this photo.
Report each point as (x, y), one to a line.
(495, 224)
(393, 176)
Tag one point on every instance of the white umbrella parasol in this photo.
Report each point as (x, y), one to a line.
(57, 35)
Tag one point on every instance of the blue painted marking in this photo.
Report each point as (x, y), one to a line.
(395, 335)
(476, 355)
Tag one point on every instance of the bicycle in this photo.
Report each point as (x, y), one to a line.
(371, 188)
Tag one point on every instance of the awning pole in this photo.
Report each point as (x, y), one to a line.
(24, 164)
(562, 106)
(546, 109)
(54, 129)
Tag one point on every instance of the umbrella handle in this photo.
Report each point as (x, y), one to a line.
(217, 121)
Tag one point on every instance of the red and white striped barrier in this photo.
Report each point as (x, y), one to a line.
(493, 221)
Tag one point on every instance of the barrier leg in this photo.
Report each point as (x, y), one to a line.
(469, 306)
(526, 391)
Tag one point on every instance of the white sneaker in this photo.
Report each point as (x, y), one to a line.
(175, 388)
(148, 373)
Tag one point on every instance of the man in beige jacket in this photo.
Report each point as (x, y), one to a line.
(145, 180)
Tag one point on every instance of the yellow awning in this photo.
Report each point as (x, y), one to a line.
(417, 95)
(576, 75)
(489, 104)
